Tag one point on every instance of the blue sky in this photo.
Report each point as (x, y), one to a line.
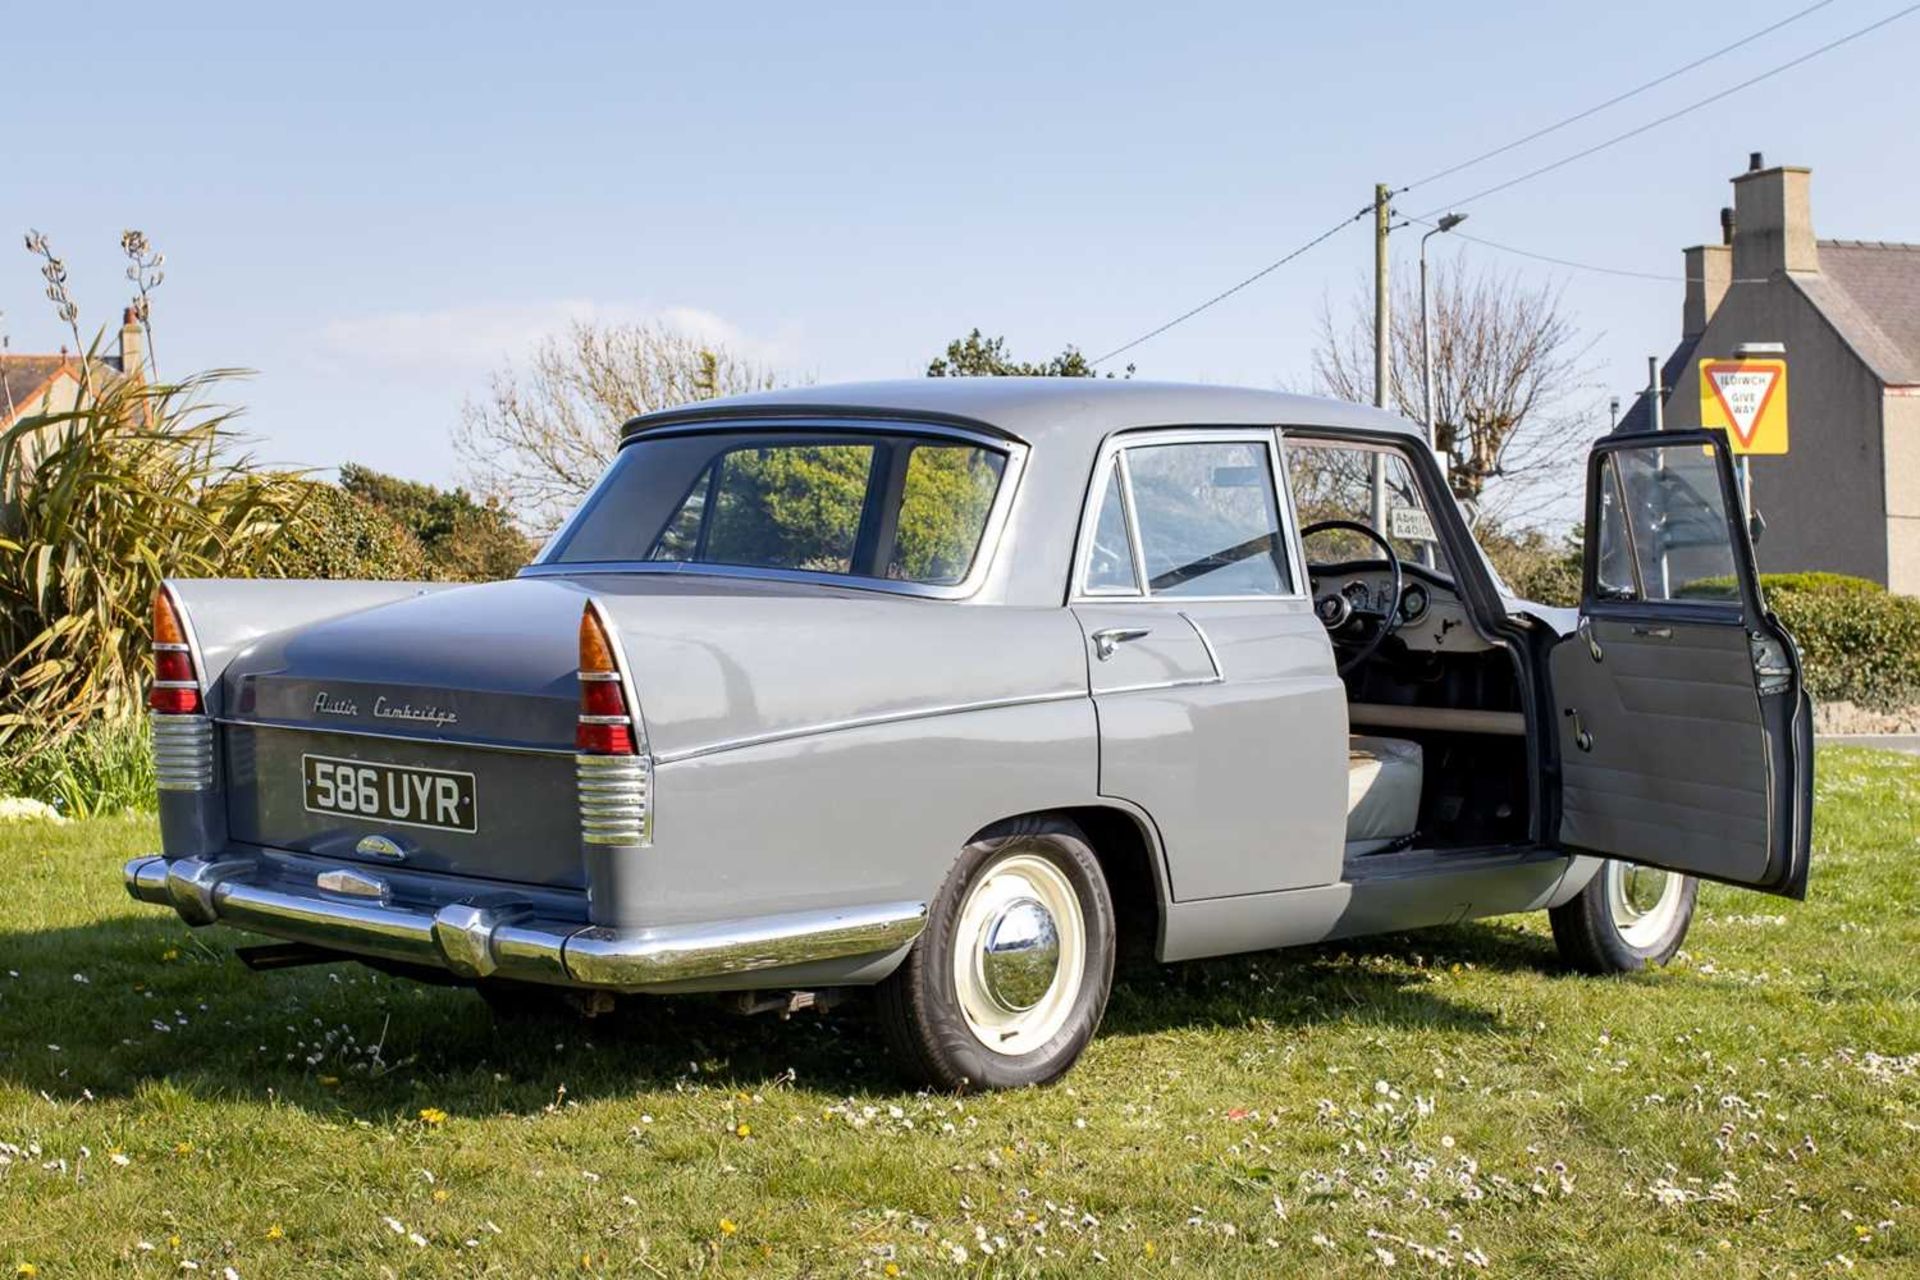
(374, 205)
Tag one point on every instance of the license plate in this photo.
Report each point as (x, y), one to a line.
(398, 793)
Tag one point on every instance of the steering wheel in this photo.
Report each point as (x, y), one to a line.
(1339, 615)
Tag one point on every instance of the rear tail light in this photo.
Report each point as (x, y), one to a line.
(614, 772)
(176, 683)
(182, 733)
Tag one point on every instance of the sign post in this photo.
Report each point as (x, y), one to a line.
(1746, 397)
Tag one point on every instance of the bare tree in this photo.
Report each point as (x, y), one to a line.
(1513, 403)
(546, 429)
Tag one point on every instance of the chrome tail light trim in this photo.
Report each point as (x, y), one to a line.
(182, 752)
(616, 799)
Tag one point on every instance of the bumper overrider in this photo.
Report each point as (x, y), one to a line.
(491, 935)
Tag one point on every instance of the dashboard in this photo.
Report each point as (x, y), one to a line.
(1432, 617)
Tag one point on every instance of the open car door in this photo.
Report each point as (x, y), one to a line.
(1685, 734)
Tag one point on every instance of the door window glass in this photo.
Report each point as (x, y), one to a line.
(1613, 564)
(1367, 484)
(1208, 519)
(1670, 515)
(1110, 568)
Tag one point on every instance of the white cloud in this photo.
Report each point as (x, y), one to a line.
(468, 341)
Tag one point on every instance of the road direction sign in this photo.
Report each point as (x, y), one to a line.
(1747, 399)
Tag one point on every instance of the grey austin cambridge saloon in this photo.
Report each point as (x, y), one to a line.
(949, 688)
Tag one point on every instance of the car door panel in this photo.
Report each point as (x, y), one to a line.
(1220, 714)
(1245, 771)
(1676, 749)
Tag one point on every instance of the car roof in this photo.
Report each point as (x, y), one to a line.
(1052, 412)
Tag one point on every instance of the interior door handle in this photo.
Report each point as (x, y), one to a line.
(1586, 633)
(1654, 633)
(1106, 641)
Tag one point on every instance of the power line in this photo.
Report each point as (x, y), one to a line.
(1224, 294)
(1671, 116)
(1560, 262)
(1616, 100)
(1561, 163)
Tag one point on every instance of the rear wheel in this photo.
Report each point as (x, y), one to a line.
(1010, 977)
(1627, 918)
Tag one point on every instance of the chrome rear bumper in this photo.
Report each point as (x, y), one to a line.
(490, 935)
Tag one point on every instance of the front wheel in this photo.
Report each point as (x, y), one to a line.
(1628, 918)
(1008, 981)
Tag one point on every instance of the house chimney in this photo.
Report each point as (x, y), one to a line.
(1709, 272)
(1726, 226)
(1773, 222)
(133, 345)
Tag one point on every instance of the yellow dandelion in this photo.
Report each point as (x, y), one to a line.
(440, 1195)
(171, 953)
(26, 1269)
(276, 1232)
(743, 1130)
(173, 1242)
(183, 1148)
(433, 1115)
(1148, 1249)
(893, 1268)
(728, 1226)
(586, 1262)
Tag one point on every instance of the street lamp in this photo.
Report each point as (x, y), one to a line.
(1447, 223)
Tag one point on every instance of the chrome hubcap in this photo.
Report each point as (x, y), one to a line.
(1020, 954)
(1644, 901)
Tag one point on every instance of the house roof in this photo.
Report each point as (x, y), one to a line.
(24, 378)
(1870, 292)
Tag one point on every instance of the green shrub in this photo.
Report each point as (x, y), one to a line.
(96, 506)
(104, 767)
(1859, 643)
(465, 540)
(333, 534)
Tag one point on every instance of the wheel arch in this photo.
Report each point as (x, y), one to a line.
(1127, 846)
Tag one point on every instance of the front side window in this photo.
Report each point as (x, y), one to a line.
(1208, 519)
(1367, 484)
(901, 507)
(1664, 532)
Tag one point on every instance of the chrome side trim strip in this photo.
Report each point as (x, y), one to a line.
(862, 722)
(478, 937)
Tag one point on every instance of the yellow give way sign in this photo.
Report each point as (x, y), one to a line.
(1747, 399)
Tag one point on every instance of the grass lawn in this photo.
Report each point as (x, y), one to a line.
(1447, 1100)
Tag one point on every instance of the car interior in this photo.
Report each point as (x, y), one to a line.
(1437, 759)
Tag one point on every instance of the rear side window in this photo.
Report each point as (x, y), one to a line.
(1207, 518)
(899, 507)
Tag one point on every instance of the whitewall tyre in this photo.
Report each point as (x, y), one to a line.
(1628, 918)
(1007, 983)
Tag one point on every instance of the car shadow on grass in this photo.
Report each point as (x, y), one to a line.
(136, 1003)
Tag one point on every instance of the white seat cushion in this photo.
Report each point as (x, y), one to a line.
(1383, 791)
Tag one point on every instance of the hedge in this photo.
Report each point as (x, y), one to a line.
(1860, 643)
(334, 534)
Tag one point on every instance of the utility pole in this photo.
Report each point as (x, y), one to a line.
(1382, 339)
(1382, 296)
